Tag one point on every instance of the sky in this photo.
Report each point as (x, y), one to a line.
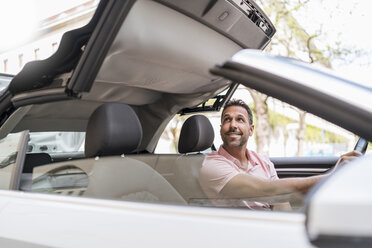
(345, 21)
(19, 18)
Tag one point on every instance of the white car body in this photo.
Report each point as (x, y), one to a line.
(160, 72)
(74, 222)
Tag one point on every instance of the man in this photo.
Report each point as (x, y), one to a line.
(234, 173)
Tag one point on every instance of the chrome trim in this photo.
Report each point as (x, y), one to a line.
(301, 170)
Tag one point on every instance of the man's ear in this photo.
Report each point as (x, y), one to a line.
(251, 129)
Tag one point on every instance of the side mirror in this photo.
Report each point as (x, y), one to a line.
(339, 209)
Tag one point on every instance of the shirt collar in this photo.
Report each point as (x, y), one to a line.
(250, 155)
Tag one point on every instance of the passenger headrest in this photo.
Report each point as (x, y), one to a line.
(196, 134)
(113, 129)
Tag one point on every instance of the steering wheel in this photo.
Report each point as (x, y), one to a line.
(361, 145)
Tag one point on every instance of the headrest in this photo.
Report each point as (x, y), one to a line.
(113, 129)
(196, 134)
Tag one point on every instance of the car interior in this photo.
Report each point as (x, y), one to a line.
(147, 77)
(162, 178)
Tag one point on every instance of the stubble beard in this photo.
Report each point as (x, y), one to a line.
(235, 142)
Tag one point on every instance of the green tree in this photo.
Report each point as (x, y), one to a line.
(292, 40)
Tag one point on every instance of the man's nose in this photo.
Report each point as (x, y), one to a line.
(233, 124)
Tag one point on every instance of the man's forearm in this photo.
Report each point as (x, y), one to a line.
(300, 184)
(244, 186)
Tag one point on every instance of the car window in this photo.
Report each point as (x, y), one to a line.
(298, 143)
(181, 172)
(56, 142)
(66, 180)
(290, 132)
(11, 152)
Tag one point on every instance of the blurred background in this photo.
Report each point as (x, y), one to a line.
(332, 34)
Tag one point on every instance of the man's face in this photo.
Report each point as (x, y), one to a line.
(235, 128)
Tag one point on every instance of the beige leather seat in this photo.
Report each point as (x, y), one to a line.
(196, 135)
(114, 129)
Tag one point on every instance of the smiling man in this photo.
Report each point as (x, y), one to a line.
(234, 173)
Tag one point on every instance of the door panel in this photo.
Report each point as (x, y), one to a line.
(302, 166)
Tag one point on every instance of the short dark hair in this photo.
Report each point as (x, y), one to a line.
(241, 103)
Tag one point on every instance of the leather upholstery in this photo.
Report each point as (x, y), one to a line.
(196, 134)
(113, 129)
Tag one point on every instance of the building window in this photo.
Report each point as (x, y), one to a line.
(20, 60)
(36, 53)
(5, 65)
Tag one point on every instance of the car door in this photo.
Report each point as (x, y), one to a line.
(302, 166)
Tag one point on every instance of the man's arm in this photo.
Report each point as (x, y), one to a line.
(245, 185)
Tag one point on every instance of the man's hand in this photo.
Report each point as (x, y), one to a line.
(347, 157)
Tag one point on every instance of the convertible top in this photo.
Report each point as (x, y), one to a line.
(158, 63)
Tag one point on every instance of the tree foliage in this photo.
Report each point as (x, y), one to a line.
(292, 40)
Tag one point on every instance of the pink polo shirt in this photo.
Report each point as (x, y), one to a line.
(220, 167)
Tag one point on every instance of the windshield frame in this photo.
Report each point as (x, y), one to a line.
(323, 104)
(20, 154)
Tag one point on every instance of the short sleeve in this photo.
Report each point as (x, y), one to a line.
(270, 167)
(215, 173)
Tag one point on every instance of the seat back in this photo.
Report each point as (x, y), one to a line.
(32, 160)
(196, 135)
(114, 129)
(182, 171)
(186, 178)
